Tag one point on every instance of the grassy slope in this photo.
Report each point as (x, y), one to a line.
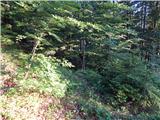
(50, 92)
(25, 100)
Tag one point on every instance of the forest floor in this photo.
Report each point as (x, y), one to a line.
(28, 105)
(17, 103)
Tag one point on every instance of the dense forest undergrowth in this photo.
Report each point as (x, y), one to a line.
(80, 60)
(53, 91)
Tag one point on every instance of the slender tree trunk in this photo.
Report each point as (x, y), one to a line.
(82, 45)
(84, 57)
(33, 54)
(144, 17)
(82, 51)
(157, 11)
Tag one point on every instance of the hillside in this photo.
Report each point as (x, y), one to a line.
(80, 60)
(51, 90)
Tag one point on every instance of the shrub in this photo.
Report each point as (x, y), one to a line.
(92, 77)
(46, 75)
(92, 108)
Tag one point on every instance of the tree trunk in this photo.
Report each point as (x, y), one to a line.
(33, 54)
(82, 50)
(84, 57)
(155, 19)
(144, 16)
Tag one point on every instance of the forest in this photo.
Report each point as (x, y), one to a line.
(80, 60)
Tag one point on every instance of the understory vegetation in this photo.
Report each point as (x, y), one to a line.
(89, 60)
